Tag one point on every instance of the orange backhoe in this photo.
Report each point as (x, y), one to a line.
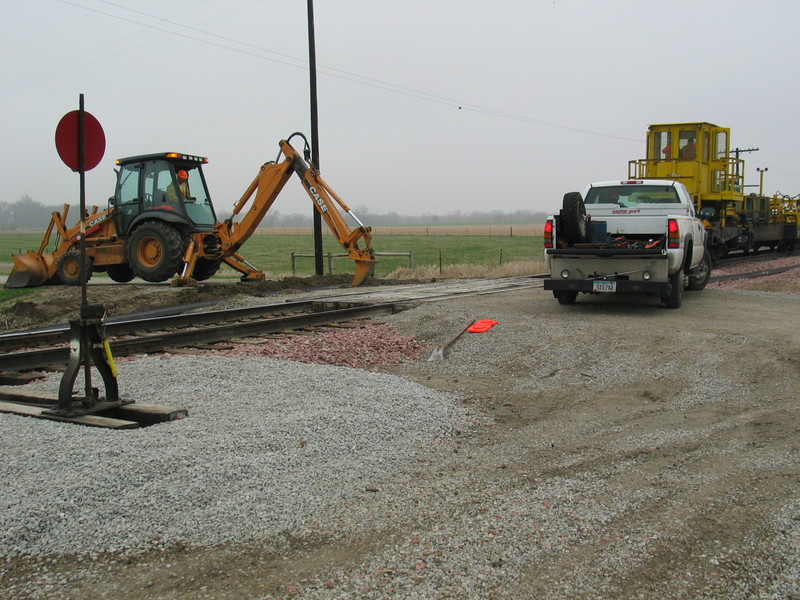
(161, 222)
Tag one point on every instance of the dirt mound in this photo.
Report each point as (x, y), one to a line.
(54, 305)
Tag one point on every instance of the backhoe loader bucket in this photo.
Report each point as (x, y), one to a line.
(363, 270)
(30, 270)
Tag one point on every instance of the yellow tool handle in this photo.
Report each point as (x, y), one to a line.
(110, 357)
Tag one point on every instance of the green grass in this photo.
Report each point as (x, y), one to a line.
(6, 295)
(16, 243)
(272, 253)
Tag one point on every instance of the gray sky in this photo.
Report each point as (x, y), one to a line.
(425, 106)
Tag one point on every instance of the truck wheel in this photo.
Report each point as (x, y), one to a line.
(573, 218)
(155, 251)
(566, 298)
(205, 269)
(698, 278)
(69, 268)
(672, 299)
(120, 273)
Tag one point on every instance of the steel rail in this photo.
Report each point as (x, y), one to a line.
(205, 327)
(143, 322)
(128, 324)
(34, 359)
(752, 274)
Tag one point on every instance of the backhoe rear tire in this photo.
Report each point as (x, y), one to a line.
(120, 273)
(205, 269)
(155, 251)
(69, 268)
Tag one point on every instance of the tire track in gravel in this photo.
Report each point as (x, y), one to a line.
(673, 532)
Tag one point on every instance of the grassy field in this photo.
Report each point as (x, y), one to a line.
(432, 249)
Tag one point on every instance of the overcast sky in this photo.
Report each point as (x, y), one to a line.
(425, 106)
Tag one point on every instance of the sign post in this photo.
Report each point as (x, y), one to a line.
(81, 144)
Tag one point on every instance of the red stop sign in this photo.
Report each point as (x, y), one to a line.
(67, 138)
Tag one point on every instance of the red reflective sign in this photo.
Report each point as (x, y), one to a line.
(94, 140)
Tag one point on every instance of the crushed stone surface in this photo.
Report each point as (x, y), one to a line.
(610, 449)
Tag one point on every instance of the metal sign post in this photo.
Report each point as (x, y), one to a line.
(312, 67)
(81, 143)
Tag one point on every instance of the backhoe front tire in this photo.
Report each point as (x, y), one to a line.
(69, 268)
(573, 218)
(155, 251)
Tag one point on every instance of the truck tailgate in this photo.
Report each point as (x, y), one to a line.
(606, 252)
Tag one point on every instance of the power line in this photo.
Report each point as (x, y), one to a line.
(284, 59)
(44, 75)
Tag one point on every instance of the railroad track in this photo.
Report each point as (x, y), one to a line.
(145, 333)
(190, 325)
(736, 258)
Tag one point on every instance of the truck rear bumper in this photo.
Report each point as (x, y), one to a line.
(623, 286)
(641, 272)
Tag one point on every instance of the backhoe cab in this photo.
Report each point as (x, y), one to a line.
(161, 222)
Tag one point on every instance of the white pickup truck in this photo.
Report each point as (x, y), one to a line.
(627, 236)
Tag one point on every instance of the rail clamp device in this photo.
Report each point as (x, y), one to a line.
(87, 341)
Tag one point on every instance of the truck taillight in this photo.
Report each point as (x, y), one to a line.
(548, 233)
(673, 234)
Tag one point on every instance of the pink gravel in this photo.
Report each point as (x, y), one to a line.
(363, 345)
(357, 346)
(786, 282)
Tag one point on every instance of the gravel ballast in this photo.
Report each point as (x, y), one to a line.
(610, 449)
(269, 446)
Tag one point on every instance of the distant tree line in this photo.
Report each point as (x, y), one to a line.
(26, 213)
(495, 217)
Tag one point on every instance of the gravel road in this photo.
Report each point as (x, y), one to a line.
(610, 449)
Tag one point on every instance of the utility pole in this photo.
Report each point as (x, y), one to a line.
(312, 68)
(761, 183)
(736, 152)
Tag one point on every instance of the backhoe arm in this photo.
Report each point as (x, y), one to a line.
(263, 191)
(328, 203)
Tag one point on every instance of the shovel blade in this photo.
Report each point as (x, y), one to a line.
(437, 354)
(30, 270)
(363, 269)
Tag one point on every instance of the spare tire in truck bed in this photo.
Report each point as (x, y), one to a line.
(573, 218)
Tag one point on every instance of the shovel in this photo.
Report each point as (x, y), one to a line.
(438, 352)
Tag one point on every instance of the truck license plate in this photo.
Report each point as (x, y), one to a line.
(604, 286)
